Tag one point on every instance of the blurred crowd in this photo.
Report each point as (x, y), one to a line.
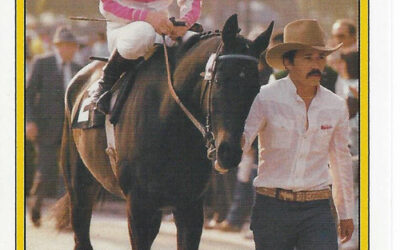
(39, 35)
(230, 196)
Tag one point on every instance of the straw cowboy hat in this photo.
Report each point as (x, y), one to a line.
(64, 35)
(300, 34)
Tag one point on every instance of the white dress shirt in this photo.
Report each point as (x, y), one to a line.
(295, 158)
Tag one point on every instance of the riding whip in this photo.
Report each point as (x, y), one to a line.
(80, 18)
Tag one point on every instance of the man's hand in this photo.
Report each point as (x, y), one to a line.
(160, 22)
(179, 31)
(346, 228)
(31, 131)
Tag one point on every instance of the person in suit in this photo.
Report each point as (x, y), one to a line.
(45, 90)
(344, 31)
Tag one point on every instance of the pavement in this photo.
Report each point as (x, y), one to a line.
(168, 227)
(109, 231)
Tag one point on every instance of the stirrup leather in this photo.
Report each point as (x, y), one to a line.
(103, 102)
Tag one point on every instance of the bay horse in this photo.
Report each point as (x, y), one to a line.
(160, 159)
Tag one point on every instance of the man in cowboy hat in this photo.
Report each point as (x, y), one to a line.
(46, 86)
(301, 127)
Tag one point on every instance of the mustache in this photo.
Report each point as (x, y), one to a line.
(314, 72)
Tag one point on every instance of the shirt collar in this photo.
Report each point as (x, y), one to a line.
(291, 89)
(59, 60)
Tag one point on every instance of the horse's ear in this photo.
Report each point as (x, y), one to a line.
(262, 41)
(230, 30)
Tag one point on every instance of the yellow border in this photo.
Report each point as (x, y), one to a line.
(20, 78)
(364, 122)
(364, 128)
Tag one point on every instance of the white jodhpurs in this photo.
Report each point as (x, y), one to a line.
(132, 40)
(136, 39)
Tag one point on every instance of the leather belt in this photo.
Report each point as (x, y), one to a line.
(301, 196)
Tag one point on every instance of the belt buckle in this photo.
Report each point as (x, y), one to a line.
(286, 196)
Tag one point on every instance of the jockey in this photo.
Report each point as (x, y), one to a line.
(132, 29)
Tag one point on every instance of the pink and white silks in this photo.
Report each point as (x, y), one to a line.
(129, 33)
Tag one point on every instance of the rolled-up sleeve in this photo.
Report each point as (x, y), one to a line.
(255, 120)
(190, 10)
(341, 168)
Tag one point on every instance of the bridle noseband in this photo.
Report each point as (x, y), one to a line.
(209, 78)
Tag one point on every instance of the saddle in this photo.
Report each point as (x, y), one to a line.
(87, 117)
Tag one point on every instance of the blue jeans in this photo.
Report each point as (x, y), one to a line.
(284, 225)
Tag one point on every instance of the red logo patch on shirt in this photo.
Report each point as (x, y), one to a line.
(326, 126)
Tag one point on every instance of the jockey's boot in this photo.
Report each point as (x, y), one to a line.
(112, 71)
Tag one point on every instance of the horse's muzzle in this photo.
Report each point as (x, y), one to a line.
(229, 155)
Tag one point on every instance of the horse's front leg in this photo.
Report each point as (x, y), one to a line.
(83, 197)
(144, 221)
(189, 223)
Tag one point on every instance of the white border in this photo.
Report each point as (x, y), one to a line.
(395, 64)
(383, 95)
(7, 125)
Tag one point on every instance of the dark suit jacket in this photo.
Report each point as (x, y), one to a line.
(45, 98)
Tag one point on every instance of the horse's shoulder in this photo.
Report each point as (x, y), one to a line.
(82, 80)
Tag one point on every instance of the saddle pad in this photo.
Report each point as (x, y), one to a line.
(86, 116)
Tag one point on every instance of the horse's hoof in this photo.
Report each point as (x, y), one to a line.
(79, 247)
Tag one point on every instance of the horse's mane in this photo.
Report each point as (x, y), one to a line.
(190, 57)
(184, 49)
(194, 40)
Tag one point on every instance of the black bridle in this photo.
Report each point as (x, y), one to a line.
(205, 130)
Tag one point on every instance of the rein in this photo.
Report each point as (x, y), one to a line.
(205, 130)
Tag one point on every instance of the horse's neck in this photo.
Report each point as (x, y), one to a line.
(188, 79)
(190, 66)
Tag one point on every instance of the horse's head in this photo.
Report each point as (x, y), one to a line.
(234, 88)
